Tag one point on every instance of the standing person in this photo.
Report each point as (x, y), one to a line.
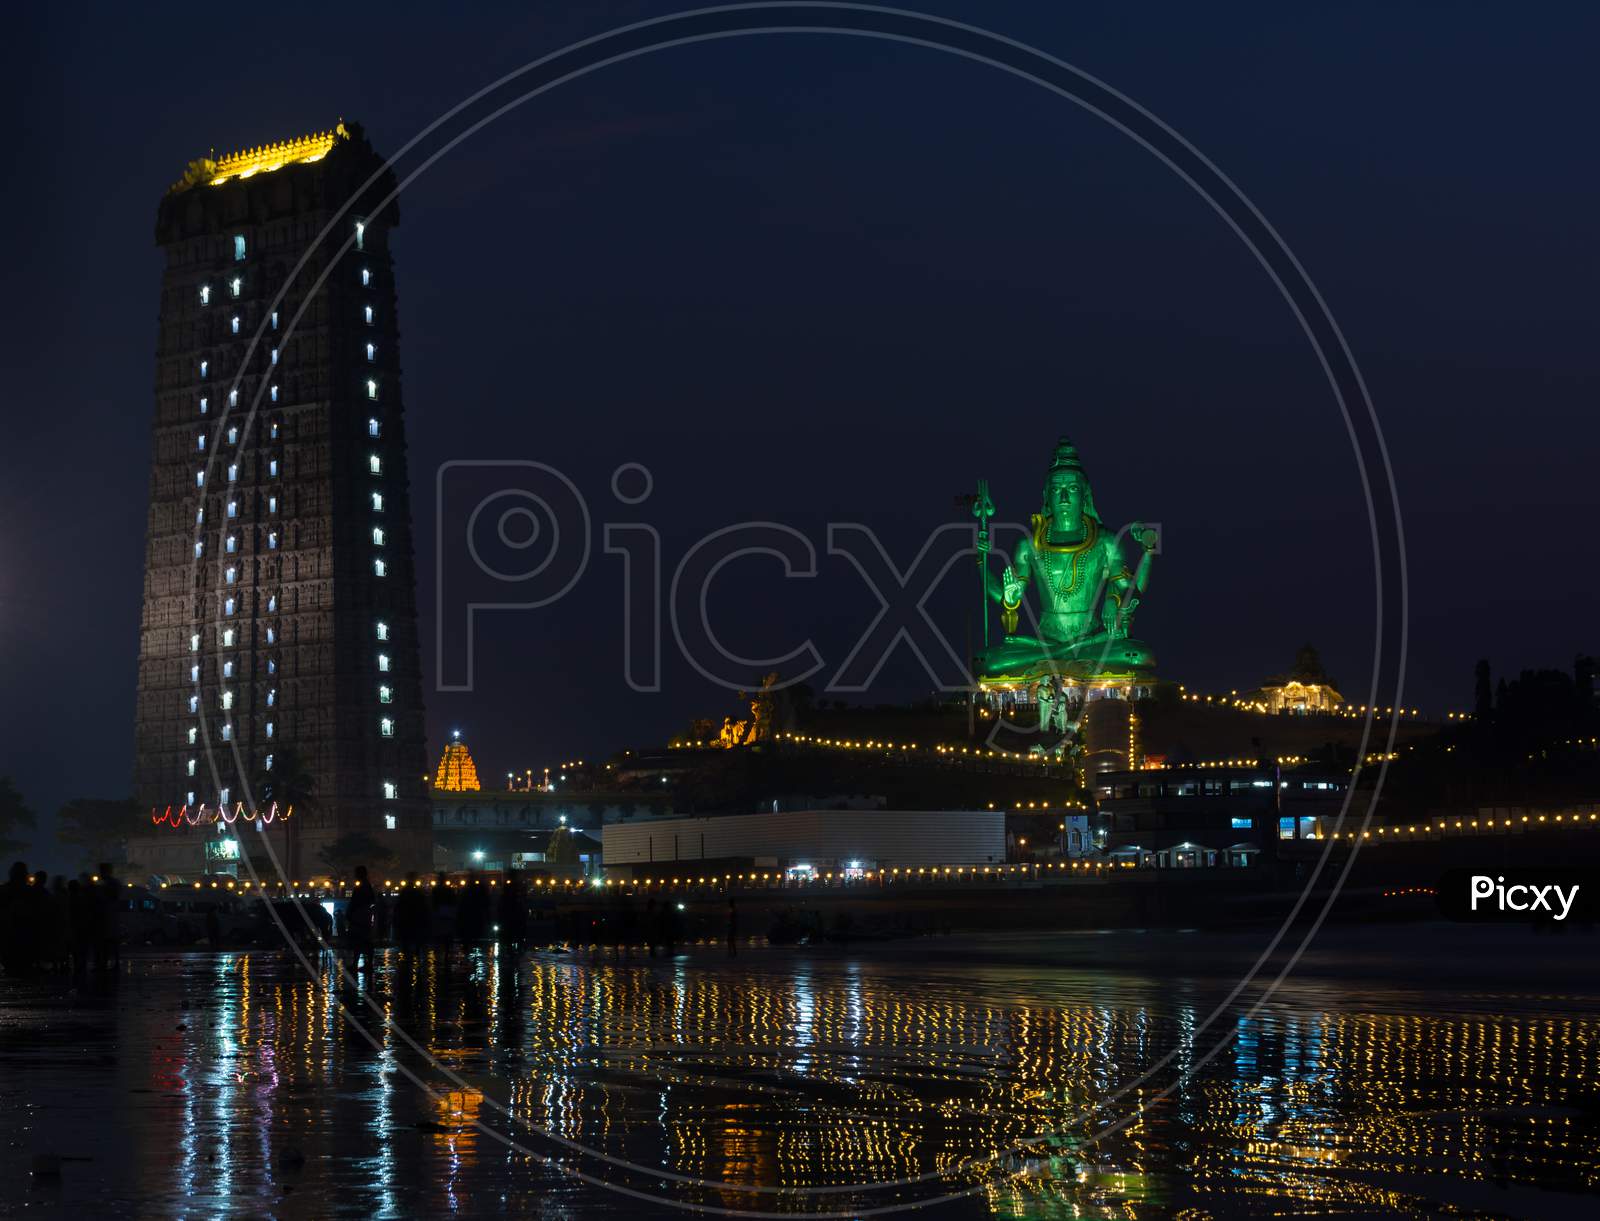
(359, 919)
(471, 910)
(60, 926)
(512, 915)
(412, 915)
(733, 929)
(108, 899)
(669, 927)
(13, 920)
(80, 923)
(444, 909)
(41, 922)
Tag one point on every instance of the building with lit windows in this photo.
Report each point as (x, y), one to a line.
(279, 622)
(1198, 816)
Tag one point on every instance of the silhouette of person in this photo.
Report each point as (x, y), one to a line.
(108, 923)
(60, 926)
(39, 923)
(733, 929)
(80, 924)
(412, 915)
(512, 913)
(359, 918)
(443, 908)
(13, 920)
(472, 909)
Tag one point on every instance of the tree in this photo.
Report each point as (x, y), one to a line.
(14, 816)
(289, 783)
(355, 848)
(96, 829)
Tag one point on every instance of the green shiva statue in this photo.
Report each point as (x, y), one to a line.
(1087, 595)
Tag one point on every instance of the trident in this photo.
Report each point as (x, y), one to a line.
(983, 510)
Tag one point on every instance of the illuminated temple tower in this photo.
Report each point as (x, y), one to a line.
(457, 772)
(279, 596)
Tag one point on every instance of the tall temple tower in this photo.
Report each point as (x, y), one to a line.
(280, 624)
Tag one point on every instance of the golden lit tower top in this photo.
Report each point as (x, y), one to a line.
(457, 772)
(260, 160)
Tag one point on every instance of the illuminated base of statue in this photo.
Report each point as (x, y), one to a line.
(1095, 661)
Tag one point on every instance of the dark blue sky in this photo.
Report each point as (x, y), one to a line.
(806, 279)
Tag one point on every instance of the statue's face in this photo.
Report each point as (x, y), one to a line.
(1064, 500)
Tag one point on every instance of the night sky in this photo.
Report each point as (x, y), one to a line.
(808, 279)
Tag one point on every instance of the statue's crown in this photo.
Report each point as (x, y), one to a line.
(1065, 457)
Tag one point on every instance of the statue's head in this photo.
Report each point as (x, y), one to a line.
(1067, 495)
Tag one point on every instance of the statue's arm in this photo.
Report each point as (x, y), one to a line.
(1021, 569)
(1021, 572)
(1147, 540)
(1121, 580)
(1022, 562)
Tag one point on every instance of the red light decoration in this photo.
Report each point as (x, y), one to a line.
(205, 815)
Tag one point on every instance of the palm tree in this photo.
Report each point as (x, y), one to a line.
(289, 783)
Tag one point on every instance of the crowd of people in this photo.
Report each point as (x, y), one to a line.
(439, 914)
(422, 915)
(72, 926)
(67, 926)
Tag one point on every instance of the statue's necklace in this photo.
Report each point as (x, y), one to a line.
(1063, 578)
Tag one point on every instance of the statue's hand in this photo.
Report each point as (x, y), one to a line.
(1146, 537)
(1010, 587)
(983, 544)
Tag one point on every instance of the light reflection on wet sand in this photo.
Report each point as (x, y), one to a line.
(230, 1084)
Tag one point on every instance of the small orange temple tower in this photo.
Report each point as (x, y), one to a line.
(457, 772)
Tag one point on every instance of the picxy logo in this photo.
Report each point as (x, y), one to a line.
(1519, 895)
(1523, 897)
